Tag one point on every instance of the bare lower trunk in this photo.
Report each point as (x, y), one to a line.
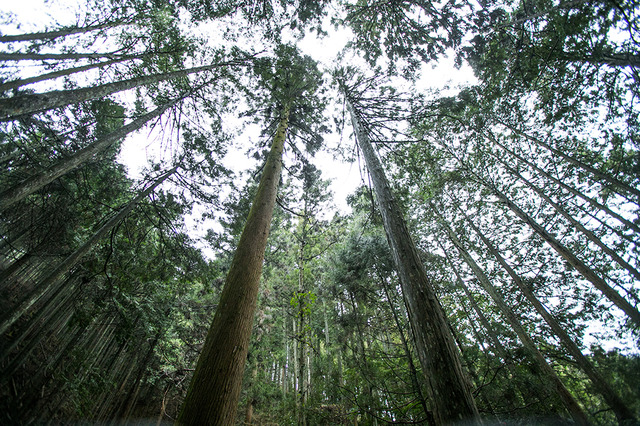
(215, 388)
(448, 384)
(413, 374)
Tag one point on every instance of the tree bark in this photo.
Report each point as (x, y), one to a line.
(447, 382)
(572, 406)
(499, 349)
(623, 413)
(215, 388)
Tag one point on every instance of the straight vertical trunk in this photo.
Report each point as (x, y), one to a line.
(215, 388)
(19, 56)
(448, 384)
(302, 335)
(623, 413)
(569, 401)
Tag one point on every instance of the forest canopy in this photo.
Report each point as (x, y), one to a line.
(486, 270)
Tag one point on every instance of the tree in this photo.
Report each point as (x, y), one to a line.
(450, 390)
(215, 387)
(18, 106)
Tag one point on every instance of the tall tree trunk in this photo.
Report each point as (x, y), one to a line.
(588, 273)
(573, 407)
(215, 388)
(14, 84)
(286, 367)
(17, 193)
(587, 233)
(448, 384)
(127, 403)
(50, 282)
(623, 413)
(558, 182)
(62, 32)
(609, 292)
(17, 106)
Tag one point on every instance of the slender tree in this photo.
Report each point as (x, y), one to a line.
(17, 106)
(450, 389)
(52, 278)
(622, 412)
(572, 406)
(18, 192)
(215, 387)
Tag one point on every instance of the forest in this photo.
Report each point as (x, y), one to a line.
(486, 270)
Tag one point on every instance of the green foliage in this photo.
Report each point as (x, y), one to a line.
(554, 108)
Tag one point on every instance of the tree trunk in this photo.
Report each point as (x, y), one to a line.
(613, 59)
(50, 282)
(17, 106)
(14, 84)
(77, 159)
(623, 413)
(569, 401)
(448, 384)
(215, 388)
(587, 233)
(609, 292)
(63, 32)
